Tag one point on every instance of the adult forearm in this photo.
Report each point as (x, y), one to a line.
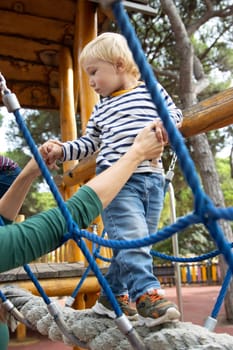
(13, 199)
(23, 242)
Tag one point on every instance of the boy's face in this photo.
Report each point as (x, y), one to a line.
(104, 77)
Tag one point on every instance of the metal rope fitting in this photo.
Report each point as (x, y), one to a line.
(3, 87)
(210, 323)
(127, 329)
(9, 307)
(9, 99)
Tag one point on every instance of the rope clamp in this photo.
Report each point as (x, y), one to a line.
(3, 87)
(9, 99)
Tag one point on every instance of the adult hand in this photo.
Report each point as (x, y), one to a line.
(149, 143)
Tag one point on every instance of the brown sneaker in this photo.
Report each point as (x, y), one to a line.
(154, 309)
(104, 307)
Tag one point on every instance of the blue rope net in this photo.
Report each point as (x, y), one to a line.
(204, 210)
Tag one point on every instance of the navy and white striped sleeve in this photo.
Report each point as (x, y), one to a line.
(174, 111)
(84, 146)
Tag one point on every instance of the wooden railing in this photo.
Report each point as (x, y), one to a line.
(191, 273)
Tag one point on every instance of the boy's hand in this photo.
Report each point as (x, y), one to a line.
(52, 151)
(162, 135)
(159, 124)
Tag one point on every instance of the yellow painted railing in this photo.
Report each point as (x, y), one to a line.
(206, 272)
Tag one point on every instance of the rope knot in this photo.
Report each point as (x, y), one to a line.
(204, 209)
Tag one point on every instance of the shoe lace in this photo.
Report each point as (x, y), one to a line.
(155, 297)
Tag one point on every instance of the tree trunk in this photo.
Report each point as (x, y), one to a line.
(190, 67)
(205, 163)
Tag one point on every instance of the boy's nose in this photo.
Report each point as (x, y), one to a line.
(91, 82)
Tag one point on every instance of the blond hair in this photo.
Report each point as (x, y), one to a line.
(110, 47)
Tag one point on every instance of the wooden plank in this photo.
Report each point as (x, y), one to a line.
(47, 271)
(24, 49)
(39, 28)
(140, 6)
(32, 95)
(28, 71)
(63, 10)
(8, 276)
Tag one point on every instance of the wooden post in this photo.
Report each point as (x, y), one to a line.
(67, 112)
(68, 130)
(85, 30)
(21, 332)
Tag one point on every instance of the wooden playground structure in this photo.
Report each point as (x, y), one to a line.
(40, 46)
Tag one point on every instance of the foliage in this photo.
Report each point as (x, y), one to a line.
(43, 200)
(195, 240)
(225, 179)
(42, 126)
(1, 119)
(210, 33)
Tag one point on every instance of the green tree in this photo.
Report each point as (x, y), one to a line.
(42, 125)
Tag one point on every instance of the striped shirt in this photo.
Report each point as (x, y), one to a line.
(7, 163)
(114, 124)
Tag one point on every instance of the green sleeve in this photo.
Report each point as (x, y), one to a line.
(4, 336)
(24, 242)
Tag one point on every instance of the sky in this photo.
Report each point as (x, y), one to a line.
(6, 119)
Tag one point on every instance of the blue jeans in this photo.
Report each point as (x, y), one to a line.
(6, 179)
(134, 214)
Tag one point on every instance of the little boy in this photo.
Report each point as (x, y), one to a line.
(125, 108)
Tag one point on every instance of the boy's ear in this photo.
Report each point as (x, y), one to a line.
(120, 65)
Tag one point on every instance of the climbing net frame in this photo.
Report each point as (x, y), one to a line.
(204, 210)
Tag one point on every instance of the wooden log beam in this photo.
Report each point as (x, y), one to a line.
(38, 28)
(62, 286)
(62, 10)
(210, 114)
(32, 95)
(81, 173)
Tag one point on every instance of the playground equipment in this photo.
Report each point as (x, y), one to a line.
(126, 327)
